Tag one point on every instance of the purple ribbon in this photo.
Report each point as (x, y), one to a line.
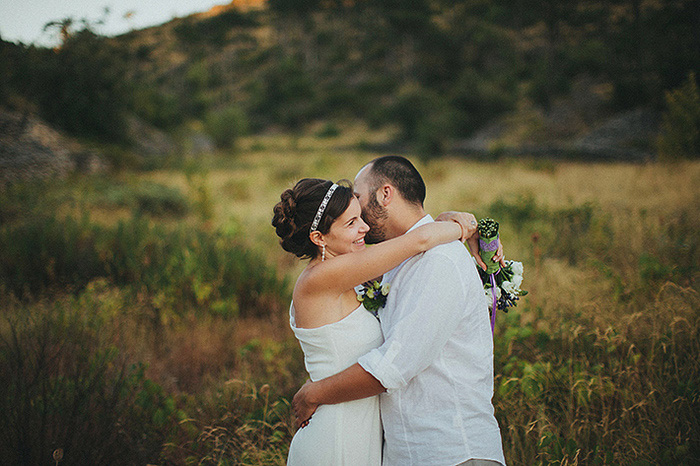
(493, 292)
(489, 245)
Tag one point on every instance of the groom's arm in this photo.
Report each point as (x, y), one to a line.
(351, 384)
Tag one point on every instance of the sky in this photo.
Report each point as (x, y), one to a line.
(24, 20)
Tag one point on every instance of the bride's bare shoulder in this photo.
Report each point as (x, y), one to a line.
(308, 285)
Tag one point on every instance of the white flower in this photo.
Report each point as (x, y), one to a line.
(510, 288)
(385, 289)
(488, 293)
(488, 297)
(517, 281)
(517, 268)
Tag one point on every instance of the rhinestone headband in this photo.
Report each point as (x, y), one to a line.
(322, 207)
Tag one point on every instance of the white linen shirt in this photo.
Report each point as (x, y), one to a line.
(436, 362)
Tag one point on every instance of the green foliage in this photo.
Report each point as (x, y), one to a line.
(226, 126)
(43, 252)
(71, 389)
(557, 388)
(424, 117)
(148, 198)
(480, 98)
(329, 130)
(80, 86)
(183, 270)
(572, 233)
(161, 109)
(245, 424)
(200, 192)
(284, 95)
(213, 30)
(332, 58)
(21, 199)
(680, 129)
(293, 6)
(519, 213)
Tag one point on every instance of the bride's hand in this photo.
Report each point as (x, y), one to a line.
(469, 226)
(303, 409)
(466, 220)
(473, 244)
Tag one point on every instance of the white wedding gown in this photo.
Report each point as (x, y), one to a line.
(347, 433)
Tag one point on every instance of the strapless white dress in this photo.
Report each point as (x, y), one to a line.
(346, 433)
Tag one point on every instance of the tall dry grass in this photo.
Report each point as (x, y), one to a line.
(597, 365)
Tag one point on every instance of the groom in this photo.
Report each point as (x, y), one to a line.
(435, 368)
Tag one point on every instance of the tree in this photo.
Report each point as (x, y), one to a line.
(80, 85)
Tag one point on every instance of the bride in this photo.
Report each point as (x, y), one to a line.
(320, 220)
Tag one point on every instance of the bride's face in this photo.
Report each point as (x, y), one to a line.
(347, 233)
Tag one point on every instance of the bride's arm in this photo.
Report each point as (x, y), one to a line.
(349, 270)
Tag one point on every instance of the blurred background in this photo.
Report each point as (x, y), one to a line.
(144, 297)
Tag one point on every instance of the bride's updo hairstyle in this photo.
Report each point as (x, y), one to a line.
(296, 210)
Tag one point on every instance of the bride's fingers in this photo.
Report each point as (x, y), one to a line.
(499, 256)
(301, 424)
(480, 262)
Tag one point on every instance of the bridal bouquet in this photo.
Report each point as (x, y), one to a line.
(501, 284)
(508, 282)
(373, 296)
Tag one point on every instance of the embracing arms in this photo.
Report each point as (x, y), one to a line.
(351, 384)
(428, 315)
(349, 270)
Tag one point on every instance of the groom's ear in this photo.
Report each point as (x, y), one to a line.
(385, 194)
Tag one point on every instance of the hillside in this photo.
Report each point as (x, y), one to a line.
(485, 79)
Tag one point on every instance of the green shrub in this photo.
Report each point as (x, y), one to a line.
(80, 86)
(20, 200)
(212, 30)
(158, 199)
(148, 198)
(680, 130)
(226, 126)
(284, 94)
(182, 270)
(161, 109)
(479, 98)
(519, 212)
(66, 387)
(44, 252)
(424, 117)
(240, 423)
(329, 130)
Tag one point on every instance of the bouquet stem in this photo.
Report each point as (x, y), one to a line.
(488, 245)
(487, 249)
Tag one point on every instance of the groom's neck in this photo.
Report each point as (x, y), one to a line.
(401, 220)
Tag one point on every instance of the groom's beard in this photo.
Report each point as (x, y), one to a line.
(375, 217)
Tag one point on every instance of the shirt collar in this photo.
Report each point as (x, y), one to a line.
(423, 221)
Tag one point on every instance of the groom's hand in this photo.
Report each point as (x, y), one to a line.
(303, 408)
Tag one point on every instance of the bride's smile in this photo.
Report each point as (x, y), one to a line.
(347, 234)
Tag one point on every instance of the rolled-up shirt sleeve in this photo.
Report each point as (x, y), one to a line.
(426, 316)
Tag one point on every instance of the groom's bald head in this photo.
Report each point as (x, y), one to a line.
(399, 172)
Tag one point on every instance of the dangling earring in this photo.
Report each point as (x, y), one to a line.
(323, 253)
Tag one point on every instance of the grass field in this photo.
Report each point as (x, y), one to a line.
(156, 301)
